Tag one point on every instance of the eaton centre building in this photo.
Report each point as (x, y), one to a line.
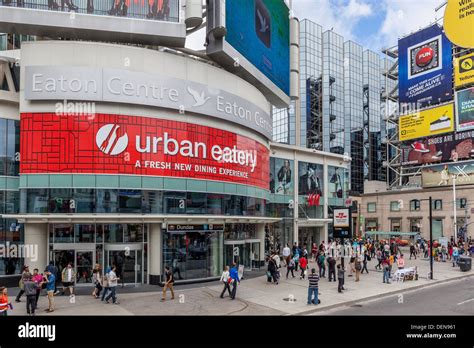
(141, 156)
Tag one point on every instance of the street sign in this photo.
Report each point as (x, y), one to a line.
(342, 223)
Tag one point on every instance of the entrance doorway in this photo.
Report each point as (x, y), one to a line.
(128, 261)
(82, 261)
(245, 253)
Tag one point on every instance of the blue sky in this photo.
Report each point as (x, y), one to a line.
(372, 23)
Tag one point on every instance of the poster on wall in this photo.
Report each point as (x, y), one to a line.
(464, 70)
(336, 182)
(425, 68)
(451, 147)
(281, 176)
(135, 145)
(459, 21)
(465, 109)
(428, 122)
(311, 178)
(442, 175)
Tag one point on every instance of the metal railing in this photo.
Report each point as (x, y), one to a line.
(159, 10)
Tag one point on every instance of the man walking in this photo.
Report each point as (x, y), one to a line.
(340, 278)
(366, 259)
(313, 286)
(68, 278)
(412, 251)
(113, 282)
(286, 254)
(332, 268)
(168, 284)
(234, 274)
(30, 292)
(322, 267)
(50, 280)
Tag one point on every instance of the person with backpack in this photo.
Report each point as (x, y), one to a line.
(21, 283)
(303, 266)
(364, 262)
(321, 264)
(226, 279)
(290, 268)
(358, 267)
(234, 274)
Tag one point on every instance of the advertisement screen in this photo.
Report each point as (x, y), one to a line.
(132, 145)
(465, 109)
(425, 68)
(444, 148)
(464, 70)
(426, 123)
(260, 31)
(281, 176)
(311, 178)
(442, 175)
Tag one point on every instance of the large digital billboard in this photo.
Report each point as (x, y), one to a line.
(442, 175)
(428, 122)
(134, 145)
(465, 109)
(464, 70)
(425, 68)
(256, 44)
(444, 148)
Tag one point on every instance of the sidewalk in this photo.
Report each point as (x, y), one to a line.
(254, 296)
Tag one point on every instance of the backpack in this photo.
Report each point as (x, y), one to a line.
(291, 265)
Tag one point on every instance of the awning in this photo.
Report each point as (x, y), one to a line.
(391, 233)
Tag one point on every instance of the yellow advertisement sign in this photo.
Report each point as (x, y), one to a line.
(464, 70)
(427, 122)
(459, 22)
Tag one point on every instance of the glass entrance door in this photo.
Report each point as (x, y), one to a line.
(84, 266)
(128, 261)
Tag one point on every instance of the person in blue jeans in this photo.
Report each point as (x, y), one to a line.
(313, 287)
(386, 271)
(234, 274)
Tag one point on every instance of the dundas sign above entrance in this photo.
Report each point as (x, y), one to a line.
(123, 86)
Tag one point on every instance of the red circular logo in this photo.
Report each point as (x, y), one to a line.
(424, 56)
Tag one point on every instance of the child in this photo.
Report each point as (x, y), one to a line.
(4, 304)
(340, 278)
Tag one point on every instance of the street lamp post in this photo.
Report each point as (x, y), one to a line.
(454, 209)
(431, 238)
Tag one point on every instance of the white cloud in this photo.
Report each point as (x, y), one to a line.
(358, 9)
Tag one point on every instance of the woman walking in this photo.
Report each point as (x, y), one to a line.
(97, 280)
(303, 266)
(105, 283)
(290, 268)
(225, 279)
(272, 271)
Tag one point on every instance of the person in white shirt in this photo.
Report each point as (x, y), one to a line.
(287, 254)
(113, 282)
(276, 258)
(226, 280)
(68, 279)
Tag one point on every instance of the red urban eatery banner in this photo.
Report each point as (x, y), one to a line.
(116, 144)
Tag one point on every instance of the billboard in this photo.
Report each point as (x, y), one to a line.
(134, 145)
(256, 43)
(442, 175)
(464, 70)
(425, 68)
(428, 122)
(465, 109)
(342, 223)
(451, 147)
(311, 179)
(281, 176)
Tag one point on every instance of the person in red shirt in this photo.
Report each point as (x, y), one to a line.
(4, 304)
(303, 266)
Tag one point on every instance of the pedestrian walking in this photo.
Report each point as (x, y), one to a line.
(30, 292)
(412, 251)
(287, 254)
(290, 268)
(105, 283)
(332, 268)
(314, 252)
(113, 282)
(54, 270)
(5, 305)
(296, 257)
(50, 280)
(364, 262)
(37, 278)
(455, 255)
(226, 279)
(272, 271)
(357, 267)
(21, 283)
(313, 287)
(303, 266)
(340, 278)
(386, 270)
(321, 265)
(68, 278)
(234, 274)
(276, 258)
(97, 280)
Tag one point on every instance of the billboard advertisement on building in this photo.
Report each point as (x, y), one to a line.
(464, 70)
(442, 175)
(465, 109)
(425, 68)
(281, 176)
(256, 44)
(311, 178)
(451, 147)
(428, 122)
(134, 145)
